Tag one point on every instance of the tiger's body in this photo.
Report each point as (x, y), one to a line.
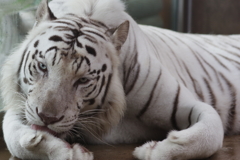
(80, 65)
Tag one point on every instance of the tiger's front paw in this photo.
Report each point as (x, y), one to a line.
(81, 153)
(30, 140)
(75, 152)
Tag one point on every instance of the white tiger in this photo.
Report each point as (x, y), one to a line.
(88, 72)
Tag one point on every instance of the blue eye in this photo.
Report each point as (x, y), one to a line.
(42, 67)
(83, 80)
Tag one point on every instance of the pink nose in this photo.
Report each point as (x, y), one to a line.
(49, 119)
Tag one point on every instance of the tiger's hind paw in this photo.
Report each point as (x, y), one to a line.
(144, 152)
(162, 150)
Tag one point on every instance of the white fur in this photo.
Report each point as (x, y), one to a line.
(158, 51)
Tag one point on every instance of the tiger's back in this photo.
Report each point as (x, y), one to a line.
(207, 65)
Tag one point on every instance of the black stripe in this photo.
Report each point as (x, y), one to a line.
(147, 76)
(92, 72)
(51, 48)
(211, 94)
(189, 118)
(78, 106)
(25, 80)
(175, 108)
(231, 60)
(79, 65)
(76, 33)
(30, 113)
(155, 49)
(224, 66)
(125, 74)
(29, 68)
(65, 53)
(94, 88)
(56, 38)
(91, 50)
(95, 34)
(129, 89)
(90, 85)
(54, 58)
(87, 61)
(36, 53)
(102, 84)
(131, 69)
(203, 67)
(232, 108)
(224, 49)
(214, 70)
(200, 95)
(79, 44)
(59, 60)
(144, 109)
(104, 67)
(64, 22)
(107, 87)
(194, 53)
(63, 28)
(173, 53)
(20, 65)
(98, 23)
(214, 56)
(78, 23)
(36, 43)
(26, 63)
(84, 20)
(199, 117)
(91, 39)
(70, 37)
(238, 48)
(91, 102)
(169, 38)
(40, 54)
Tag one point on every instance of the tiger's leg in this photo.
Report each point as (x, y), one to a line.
(26, 143)
(202, 139)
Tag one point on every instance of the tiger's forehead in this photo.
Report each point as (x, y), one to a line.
(71, 29)
(76, 43)
(73, 34)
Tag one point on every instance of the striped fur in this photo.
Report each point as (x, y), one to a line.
(76, 68)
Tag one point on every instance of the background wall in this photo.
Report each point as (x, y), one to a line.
(214, 16)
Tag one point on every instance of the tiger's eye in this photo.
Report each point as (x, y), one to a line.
(83, 80)
(42, 67)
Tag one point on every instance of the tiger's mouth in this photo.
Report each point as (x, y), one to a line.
(45, 129)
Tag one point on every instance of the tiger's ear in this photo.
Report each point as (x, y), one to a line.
(120, 35)
(44, 13)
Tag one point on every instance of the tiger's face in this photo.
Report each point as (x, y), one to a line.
(68, 72)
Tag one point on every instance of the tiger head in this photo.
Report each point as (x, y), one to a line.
(67, 70)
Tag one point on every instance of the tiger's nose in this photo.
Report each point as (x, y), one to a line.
(49, 119)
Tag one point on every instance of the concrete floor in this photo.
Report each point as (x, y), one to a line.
(230, 151)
